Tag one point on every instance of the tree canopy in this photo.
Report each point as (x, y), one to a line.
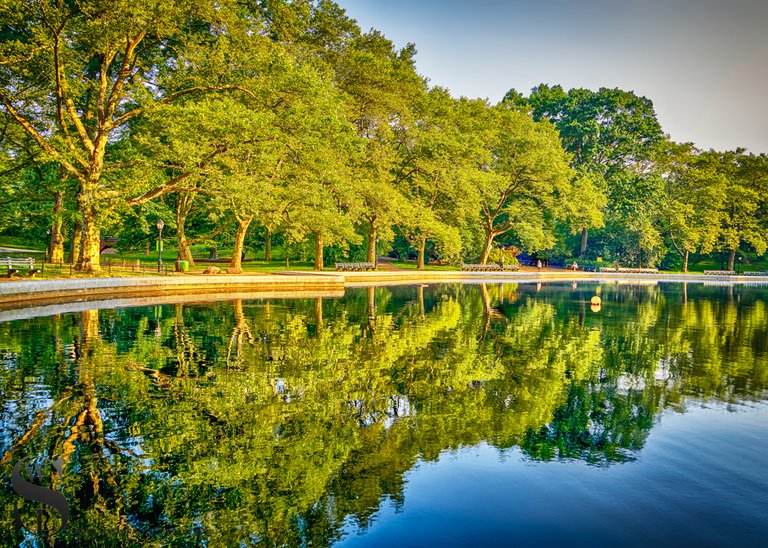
(285, 116)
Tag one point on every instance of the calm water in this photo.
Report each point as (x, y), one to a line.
(409, 416)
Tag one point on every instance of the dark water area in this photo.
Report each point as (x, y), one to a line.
(406, 416)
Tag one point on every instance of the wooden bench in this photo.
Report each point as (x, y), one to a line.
(720, 272)
(627, 270)
(10, 263)
(638, 270)
(488, 267)
(355, 266)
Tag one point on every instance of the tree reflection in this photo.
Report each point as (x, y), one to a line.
(280, 421)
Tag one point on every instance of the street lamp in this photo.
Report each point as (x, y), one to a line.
(740, 258)
(160, 225)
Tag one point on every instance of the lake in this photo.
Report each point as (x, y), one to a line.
(494, 414)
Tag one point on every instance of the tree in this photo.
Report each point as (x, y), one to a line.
(530, 175)
(612, 135)
(746, 193)
(439, 159)
(693, 199)
(381, 85)
(75, 74)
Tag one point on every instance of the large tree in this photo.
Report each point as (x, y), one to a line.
(74, 74)
(746, 199)
(612, 134)
(530, 180)
(440, 158)
(694, 194)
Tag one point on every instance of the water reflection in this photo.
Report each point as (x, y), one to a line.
(282, 421)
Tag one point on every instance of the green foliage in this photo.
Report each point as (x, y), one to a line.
(285, 116)
(505, 257)
(190, 424)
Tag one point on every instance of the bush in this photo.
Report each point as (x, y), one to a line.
(503, 257)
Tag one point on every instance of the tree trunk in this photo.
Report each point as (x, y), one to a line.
(584, 234)
(370, 294)
(731, 259)
(183, 252)
(183, 207)
(372, 239)
(319, 315)
(268, 246)
(422, 251)
(90, 251)
(486, 310)
(77, 237)
(236, 263)
(57, 238)
(318, 251)
(488, 246)
(686, 254)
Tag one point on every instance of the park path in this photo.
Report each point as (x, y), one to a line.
(17, 250)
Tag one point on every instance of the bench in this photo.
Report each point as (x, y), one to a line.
(638, 270)
(355, 266)
(10, 263)
(755, 273)
(627, 270)
(719, 272)
(488, 267)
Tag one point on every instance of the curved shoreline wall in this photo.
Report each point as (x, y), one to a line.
(187, 288)
(36, 291)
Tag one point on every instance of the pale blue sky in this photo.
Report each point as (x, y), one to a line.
(704, 63)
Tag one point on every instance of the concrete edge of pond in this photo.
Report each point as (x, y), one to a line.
(39, 308)
(148, 290)
(353, 279)
(28, 292)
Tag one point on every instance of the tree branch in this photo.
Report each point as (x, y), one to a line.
(172, 97)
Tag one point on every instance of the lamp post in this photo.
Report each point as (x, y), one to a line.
(160, 225)
(740, 258)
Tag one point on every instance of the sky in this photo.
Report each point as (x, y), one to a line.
(703, 63)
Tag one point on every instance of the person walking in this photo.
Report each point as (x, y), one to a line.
(538, 265)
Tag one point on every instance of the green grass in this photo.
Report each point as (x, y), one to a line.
(758, 263)
(21, 242)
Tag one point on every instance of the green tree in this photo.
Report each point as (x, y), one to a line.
(746, 191)
(530, 178)
(441, 155)
(87, 69)
(612, 135)
(693, 200)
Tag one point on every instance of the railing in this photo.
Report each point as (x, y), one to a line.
(110, 265)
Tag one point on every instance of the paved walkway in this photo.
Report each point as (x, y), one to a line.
(18, 250)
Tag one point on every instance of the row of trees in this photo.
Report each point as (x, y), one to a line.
(219, 116)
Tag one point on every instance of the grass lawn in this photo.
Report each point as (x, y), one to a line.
(758, 263)
(21, 242)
